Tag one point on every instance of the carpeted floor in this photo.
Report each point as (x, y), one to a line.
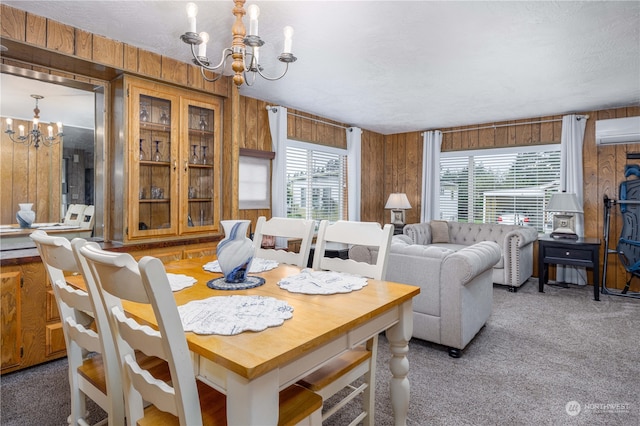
(538, 353)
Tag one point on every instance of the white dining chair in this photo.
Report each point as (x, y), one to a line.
(286, 228)
(354, 369)
(184, 400)
(93, 368)
(353, 233)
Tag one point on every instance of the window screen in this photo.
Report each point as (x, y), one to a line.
(506, 185)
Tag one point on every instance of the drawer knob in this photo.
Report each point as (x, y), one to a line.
(566, 254)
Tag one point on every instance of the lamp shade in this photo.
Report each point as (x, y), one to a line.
(398, 201)
(566, 202)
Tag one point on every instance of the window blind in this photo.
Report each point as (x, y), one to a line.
(504, 185)
(316, 182)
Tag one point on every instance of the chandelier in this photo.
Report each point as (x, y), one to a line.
(34, 136)
(244, 48)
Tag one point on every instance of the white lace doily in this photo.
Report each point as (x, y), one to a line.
(257, 265)
(309, 281)
(229, 315)
(180, 281)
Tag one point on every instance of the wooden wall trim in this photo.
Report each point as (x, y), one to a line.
(246, 152)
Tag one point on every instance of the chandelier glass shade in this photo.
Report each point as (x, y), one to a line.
(34, 136)
(244, 51)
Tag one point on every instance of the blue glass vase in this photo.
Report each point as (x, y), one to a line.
(25, 215)
(235, 251)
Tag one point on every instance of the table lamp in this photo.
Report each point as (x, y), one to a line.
(398, 203)
(565, 204)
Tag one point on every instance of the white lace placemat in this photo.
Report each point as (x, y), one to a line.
(309, 281)
(257, 265)
(229, 315)
(180, 281)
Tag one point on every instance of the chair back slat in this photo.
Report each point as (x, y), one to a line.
(282, 227)
(85, 337)
(74, 297)
(353, 233)
(155, 391)
(138, 335)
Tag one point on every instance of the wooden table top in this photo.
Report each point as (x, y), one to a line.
(317, 319)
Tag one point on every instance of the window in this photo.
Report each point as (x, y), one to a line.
(255, 181)
(318, 171)
(506, 185)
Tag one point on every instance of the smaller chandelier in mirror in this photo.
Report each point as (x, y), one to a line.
(34, 136)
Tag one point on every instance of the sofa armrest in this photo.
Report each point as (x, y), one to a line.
(521, 236)
(467, 263)
(518, 255)
(362, 254)
(419, 233)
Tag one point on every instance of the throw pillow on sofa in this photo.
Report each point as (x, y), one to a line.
(439, 231)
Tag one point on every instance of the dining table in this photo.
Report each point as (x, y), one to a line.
(253, 366)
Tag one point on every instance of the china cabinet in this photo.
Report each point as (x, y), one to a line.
(170, 149)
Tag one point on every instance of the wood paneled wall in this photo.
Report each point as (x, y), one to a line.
(402, 172)
(373, 176)
(29, 175)
(254, 134)
(307, 127)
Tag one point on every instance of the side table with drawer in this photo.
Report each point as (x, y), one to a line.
(584, 252)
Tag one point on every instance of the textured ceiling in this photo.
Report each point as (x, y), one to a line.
(392, 66)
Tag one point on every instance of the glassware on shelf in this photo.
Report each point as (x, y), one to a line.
(144, 114)
(204, 155)
(194, 157)
(156, 155)
(203, 122)
(164, 118)
(143, 155)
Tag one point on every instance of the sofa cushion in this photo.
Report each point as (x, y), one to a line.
(456, 247)
(439, 231)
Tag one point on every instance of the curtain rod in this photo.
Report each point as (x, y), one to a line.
(495, 126)
(274, 108)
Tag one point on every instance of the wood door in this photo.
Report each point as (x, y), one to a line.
(152, 149)
(200, 163)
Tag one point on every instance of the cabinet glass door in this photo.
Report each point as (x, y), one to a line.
(200, 168)
(153, 183)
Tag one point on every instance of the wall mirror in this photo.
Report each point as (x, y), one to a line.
(67, 173)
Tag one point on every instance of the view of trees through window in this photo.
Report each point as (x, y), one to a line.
(509, 186)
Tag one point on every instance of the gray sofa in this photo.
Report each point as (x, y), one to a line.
(456, 289)
(516, 245)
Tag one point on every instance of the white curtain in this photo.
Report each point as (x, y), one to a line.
(278, 128)
(571, 180)
(431, 144)
(354, 137)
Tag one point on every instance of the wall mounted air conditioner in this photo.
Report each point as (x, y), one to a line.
(618, 130)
